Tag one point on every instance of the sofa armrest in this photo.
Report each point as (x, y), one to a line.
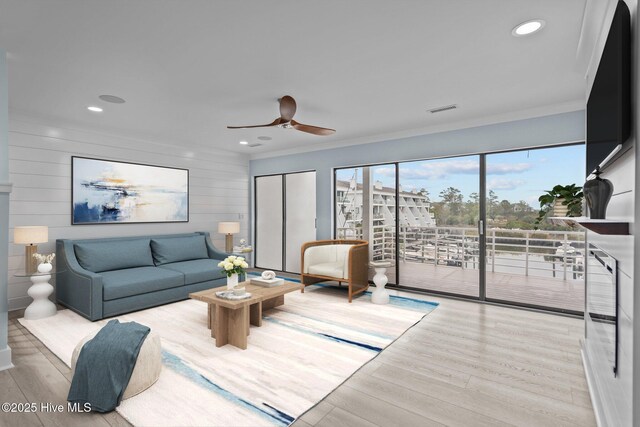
(77, 288)
(214, 253)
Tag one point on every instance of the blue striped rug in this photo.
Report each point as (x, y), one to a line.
(305, 349)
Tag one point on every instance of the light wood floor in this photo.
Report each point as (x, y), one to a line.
(468, 364)
(465, 364)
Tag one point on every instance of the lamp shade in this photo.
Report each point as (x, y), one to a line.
(31, 235)
(228, 227)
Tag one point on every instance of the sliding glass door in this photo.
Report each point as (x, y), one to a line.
(439, 210)
(366, 209)
(466, 226)
(535, 265)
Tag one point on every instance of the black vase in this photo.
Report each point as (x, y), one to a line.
(598, 193)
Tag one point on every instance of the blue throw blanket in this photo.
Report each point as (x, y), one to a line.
(105, 365)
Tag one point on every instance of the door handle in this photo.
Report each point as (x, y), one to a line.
(481, 227)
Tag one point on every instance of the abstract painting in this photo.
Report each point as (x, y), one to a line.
(105, 191)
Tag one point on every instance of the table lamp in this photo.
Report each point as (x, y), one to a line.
(228, 228)
(30, 236)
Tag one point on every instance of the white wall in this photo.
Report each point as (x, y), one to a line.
(40, 168)
(5, 189)
(613, 396)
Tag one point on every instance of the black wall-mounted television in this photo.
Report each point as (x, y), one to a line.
(609, 104)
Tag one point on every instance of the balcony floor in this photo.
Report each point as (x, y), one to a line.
(533, 290)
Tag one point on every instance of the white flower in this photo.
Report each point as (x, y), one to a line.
(240, 258)
(228, 266)
(244, 265)
(42, 259)
(237, 262)
(231, 258)
(221, 264)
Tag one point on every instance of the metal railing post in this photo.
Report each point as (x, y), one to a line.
(464, 252)
(564, 257)
(493, 250)
(404, 244)
(435, 254)
(526, 255)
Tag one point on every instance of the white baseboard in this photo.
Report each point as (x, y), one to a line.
(595, 398)
(5, 359)
(19, 303)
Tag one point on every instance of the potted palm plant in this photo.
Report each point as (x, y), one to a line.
(561, 201)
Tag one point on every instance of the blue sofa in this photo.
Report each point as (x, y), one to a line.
(100, 278)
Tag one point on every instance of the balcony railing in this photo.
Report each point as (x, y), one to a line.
(558, 254)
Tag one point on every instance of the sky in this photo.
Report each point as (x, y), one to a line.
(514, 176)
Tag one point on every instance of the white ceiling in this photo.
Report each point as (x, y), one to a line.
(189, 68)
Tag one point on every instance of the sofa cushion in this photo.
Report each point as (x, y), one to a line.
(197, 270)
(113, 255)
(331, 269)
(175, 249)
(134, 281)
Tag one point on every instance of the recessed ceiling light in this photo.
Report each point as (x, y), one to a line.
(528, 27)
(95, 109)
(112, 98)
(244, 143)
(265, 138)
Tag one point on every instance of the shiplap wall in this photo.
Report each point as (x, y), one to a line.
(40, 169)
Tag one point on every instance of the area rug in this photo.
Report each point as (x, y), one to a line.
(303, 351)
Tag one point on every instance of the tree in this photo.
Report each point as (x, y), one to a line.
(424, 192)
(505, 208)
(452, 197)
(471, 209)
(492, 203)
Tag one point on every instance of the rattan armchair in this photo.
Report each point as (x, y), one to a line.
(336, 260)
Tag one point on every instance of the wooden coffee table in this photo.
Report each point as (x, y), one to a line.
(229, 320)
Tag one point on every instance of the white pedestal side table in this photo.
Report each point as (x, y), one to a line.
(40, 290)
(380, 295)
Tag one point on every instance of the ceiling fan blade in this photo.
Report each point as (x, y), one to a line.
(287, 108)
(276, 122)
(312, 129)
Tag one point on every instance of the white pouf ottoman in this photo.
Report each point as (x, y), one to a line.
(147, 369)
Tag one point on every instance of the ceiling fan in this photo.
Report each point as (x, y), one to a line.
(285, 121)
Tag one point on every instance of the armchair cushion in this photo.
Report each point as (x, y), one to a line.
(327, 260)
(175, 249)
(330, 269)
